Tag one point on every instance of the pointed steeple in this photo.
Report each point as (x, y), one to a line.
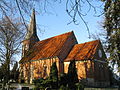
(31, 37)
(32, 26)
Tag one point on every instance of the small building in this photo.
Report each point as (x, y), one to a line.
(38, 56)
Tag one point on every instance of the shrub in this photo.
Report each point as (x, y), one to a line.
(63, 79)
(62, 87)
(39, 80)
(36, 88)
(79, 86)
(38, 83)
(47, 83)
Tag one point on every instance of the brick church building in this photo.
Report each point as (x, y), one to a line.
(38, 56)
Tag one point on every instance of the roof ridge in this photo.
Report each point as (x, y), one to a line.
(57, 35)
(88, 42)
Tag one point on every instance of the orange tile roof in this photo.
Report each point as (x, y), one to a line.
(46, 48)
(83, 51)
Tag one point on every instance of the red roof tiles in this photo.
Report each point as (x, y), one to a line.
(83, 51)
(46, 48)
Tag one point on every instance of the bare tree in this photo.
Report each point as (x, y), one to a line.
(10, 39)
(74, 8)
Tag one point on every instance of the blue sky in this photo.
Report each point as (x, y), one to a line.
(56, 23)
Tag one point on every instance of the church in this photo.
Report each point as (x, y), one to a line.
(38, 56)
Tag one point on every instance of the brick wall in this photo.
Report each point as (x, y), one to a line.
(38, 69)
(84, 69)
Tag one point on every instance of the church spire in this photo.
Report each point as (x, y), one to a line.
(32, 26)
(31, 37)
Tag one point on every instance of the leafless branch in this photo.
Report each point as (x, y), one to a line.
(21, 14)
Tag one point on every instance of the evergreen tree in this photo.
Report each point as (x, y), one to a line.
(72, 75)
(63, 80)
(112, 27)
(54, 75)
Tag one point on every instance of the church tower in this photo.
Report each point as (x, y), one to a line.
(31, 37)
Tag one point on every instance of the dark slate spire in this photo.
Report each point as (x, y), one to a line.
(32, 26)
(31, 37)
